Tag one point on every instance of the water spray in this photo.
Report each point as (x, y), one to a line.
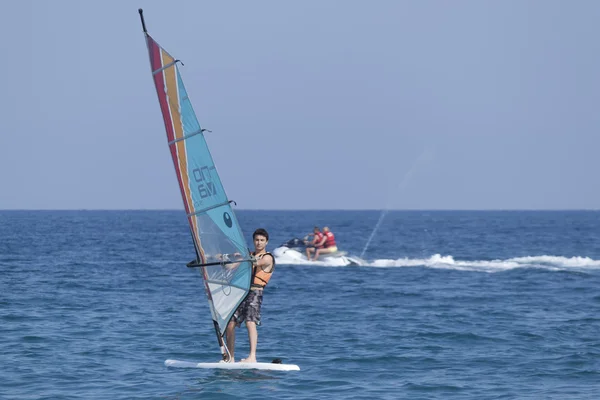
(426, 155)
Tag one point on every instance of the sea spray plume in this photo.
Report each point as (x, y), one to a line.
(426, 156)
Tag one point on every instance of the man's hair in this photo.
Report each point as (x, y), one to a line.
(316, 228)
(261, 232)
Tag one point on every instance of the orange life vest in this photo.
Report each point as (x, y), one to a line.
(260, 278)
(330, 241)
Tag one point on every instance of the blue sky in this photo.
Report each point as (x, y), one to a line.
(312, 104)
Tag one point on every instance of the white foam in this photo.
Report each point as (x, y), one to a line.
(283, 255)
(558, 261)
(448, 262)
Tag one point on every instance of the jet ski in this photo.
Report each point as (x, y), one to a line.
(294, 251)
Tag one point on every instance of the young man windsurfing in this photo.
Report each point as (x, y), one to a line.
(249, 309)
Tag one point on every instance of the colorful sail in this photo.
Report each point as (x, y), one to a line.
(222, 253)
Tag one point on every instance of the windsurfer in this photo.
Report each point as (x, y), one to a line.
(249, 309)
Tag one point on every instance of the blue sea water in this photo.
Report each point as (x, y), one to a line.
(465, 305)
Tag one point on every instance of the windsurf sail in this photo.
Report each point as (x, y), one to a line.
(222, 255)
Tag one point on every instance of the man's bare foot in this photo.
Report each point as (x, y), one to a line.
(248, 360)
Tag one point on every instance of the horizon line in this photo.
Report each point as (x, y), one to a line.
(308, 209)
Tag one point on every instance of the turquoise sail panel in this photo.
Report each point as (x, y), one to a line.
(220, 236)
(227, 222)
(229, 282)
(206, 187)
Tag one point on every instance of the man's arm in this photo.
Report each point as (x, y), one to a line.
(231, 265)
(265, 262)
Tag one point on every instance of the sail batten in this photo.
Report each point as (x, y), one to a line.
(165, 67)
(202, 210)
(220, 283)
(189, 135)
(215, 231)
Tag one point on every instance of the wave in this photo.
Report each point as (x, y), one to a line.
(544, 261)
(548, 262)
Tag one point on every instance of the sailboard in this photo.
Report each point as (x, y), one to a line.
(239, 365)
(222, 256)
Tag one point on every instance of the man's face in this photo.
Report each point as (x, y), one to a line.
(260, 242)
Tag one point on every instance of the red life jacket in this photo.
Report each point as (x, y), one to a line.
(318, 238)
(330, 241)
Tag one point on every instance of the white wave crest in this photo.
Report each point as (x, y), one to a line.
(558, 261)
(448, 262)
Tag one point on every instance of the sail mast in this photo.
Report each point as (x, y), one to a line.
(143, 22)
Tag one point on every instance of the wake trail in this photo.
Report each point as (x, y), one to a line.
(437, 261)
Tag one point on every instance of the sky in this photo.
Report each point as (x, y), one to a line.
(312, 104)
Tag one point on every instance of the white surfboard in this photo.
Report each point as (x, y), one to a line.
(237, 365)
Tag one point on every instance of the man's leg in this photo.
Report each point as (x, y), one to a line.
(308, 251)
(317, 254)
(253, 339)
(230, 336)
(325, 250)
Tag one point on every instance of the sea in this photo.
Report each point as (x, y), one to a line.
(444, 305)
